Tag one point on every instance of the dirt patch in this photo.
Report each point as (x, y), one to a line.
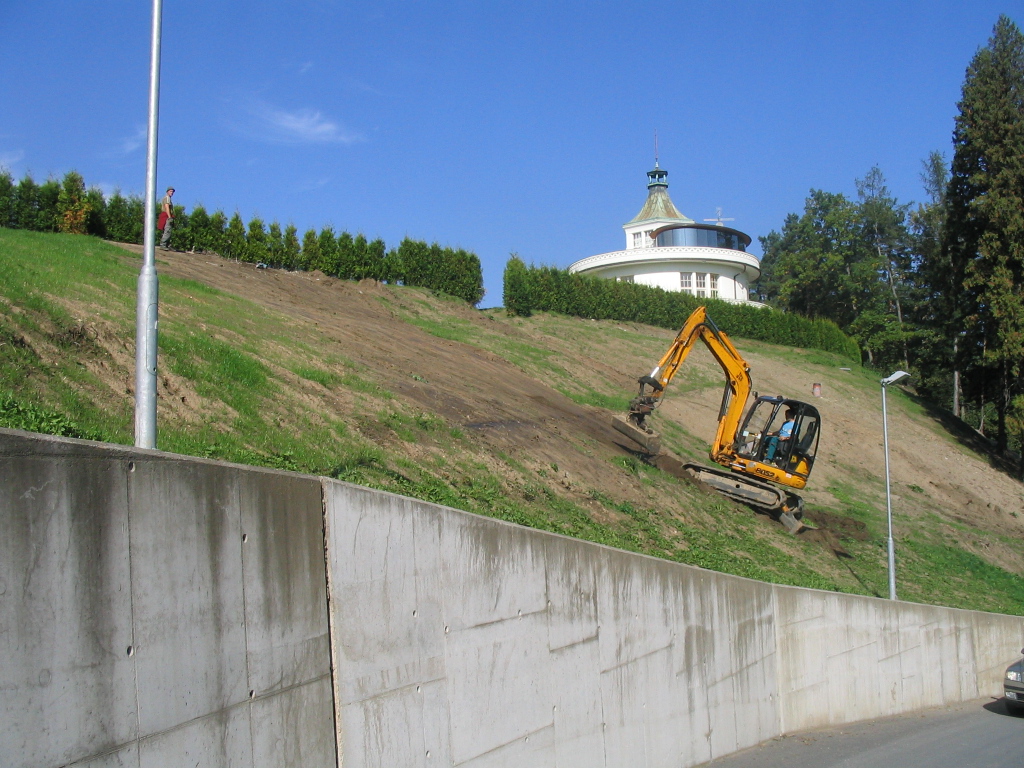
(507, 411)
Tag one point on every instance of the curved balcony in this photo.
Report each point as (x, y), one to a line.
(660, 256)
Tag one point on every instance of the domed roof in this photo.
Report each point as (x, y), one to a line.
(658, 204)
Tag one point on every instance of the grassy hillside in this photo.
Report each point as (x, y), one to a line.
(400, 389)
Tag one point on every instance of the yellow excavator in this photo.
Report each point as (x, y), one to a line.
(773, 444)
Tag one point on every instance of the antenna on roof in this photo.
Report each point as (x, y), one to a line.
(720, 221)
(655, 147)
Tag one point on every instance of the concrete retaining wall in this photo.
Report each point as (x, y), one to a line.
(158, 610)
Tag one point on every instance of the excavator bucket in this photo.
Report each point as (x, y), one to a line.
(649, 441)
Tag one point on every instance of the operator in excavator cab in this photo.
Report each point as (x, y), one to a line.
(784, 434)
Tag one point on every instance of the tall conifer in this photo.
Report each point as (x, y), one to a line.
(984, 234)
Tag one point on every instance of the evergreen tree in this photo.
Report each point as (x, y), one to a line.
(48, 212)
(371, 262)
(346, 256)
(291, 249)
(72, 207)
(934, 291)
(94, 223)
(275, 245)
(327, 261)
(122, 218)
(256, 248)
(26, 204)
(200, 236)
(218, 232)
(984, 233)
(234, 238)
(392, 271)
(310, 255)
(8, 200)
(358, 257)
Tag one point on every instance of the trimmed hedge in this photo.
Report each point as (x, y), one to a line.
(70, 207)
(547, 289)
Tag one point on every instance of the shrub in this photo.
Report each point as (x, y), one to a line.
(122, 218)
(7, 199)
(72, 207)
(549, 289)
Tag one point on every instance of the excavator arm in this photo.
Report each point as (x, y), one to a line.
(749, 475)
(737, 374)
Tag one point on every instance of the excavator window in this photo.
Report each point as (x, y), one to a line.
(767, 438)
(755, 436)
(805, 446)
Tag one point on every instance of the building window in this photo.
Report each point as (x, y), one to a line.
(625, 279)
(686, 282)
(638, 239)
(702, 284)
(648, 240)
(714, 286)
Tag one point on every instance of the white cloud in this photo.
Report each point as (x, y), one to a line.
(9, 160)
(138, 139)
(302, 126)
(312, 185)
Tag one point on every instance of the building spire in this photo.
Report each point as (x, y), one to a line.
(657, 178)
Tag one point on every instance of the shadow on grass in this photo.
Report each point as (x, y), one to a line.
(1009, 464)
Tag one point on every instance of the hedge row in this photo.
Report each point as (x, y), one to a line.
(529, 289)
(67, 206)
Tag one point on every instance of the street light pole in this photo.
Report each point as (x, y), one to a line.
(888, 494)
(147, 300)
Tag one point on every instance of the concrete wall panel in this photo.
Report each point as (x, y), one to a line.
(125, 757)
(133, 631)
(428, 636)
(488, 668)
(186, 591)
(66, 680)
(284, 583)
(991, 639)
(577, 707)
(386, 592)
(294, 727)
(223, 738)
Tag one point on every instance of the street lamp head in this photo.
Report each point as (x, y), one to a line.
(894, 378)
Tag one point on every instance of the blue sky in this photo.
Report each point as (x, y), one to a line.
(494, 127)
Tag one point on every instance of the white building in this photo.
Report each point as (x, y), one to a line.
(666, 249)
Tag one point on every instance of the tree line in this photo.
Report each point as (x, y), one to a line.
(68, 206)
(935, 288)
(529, 288)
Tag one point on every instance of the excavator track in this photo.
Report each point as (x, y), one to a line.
(787, 507)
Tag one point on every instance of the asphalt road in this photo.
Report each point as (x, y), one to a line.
(976, 734)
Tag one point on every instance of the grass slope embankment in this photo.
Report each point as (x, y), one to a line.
(400, 389)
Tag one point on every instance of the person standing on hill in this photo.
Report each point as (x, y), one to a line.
(163, 222)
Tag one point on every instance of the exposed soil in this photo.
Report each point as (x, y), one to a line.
(525, 417)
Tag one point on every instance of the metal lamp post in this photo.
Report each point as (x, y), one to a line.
(146, 309)
(888, 495)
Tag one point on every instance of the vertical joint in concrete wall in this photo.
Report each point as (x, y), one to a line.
(325, 527)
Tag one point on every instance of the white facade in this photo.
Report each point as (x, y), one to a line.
(668, 250)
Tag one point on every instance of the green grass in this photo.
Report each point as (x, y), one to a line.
(949, 575)
(241, 362)
(218, 369)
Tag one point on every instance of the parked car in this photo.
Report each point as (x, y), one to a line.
(1013, 687)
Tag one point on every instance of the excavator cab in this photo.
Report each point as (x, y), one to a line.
(780, 433)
